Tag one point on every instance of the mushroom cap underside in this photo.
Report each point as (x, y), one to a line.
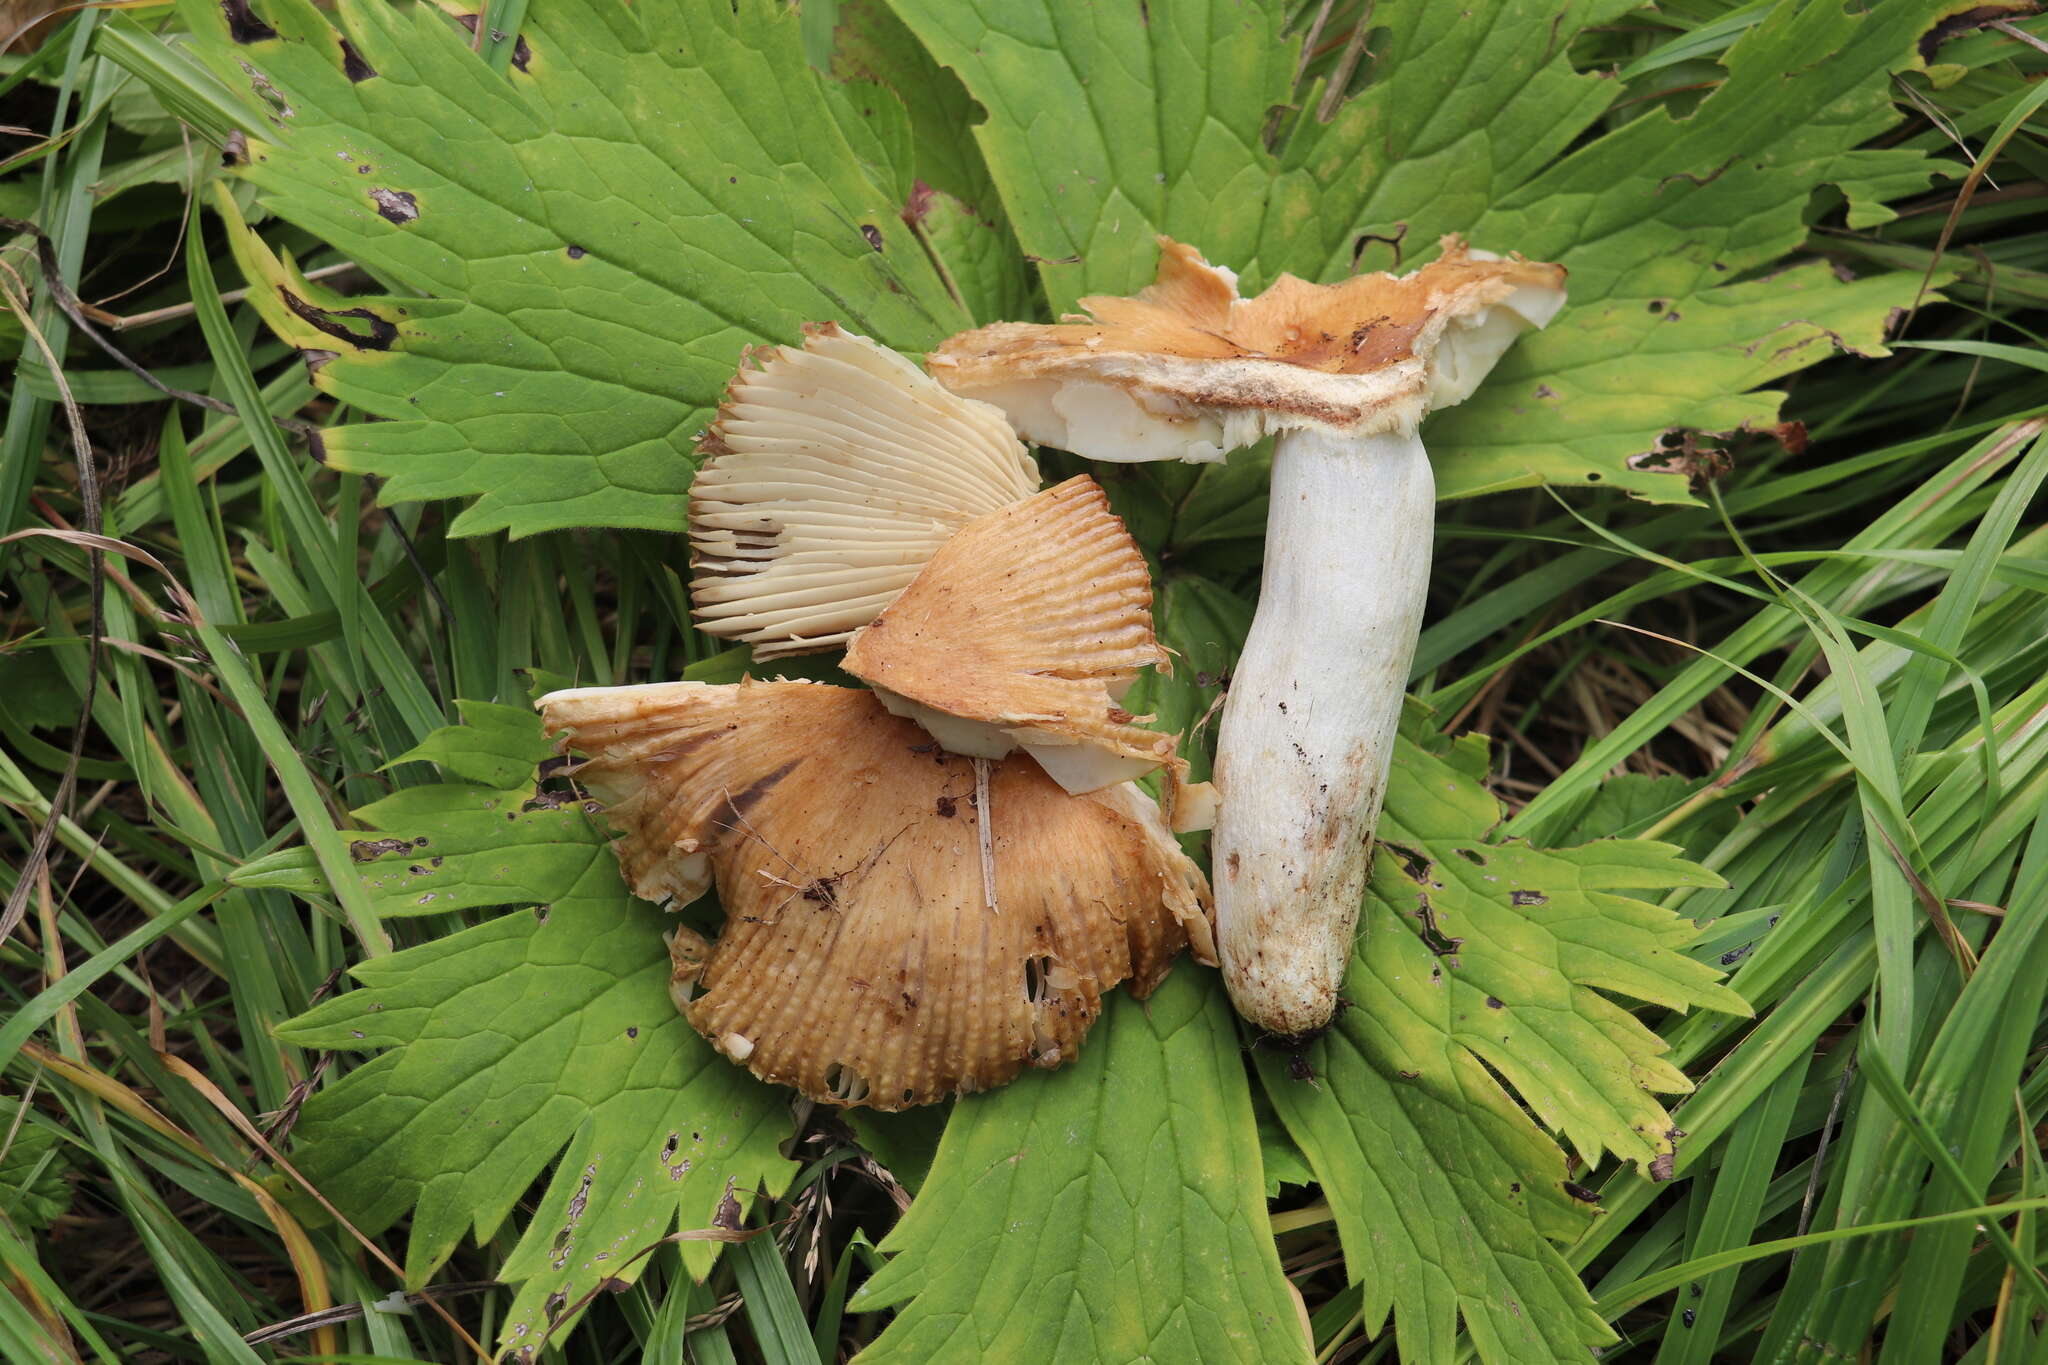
(1031, 622)
(1188, 369)
(832, 473)
(860, 960)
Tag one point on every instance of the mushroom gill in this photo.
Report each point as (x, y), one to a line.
(832, 473)
(860, 960)
(1025, 630)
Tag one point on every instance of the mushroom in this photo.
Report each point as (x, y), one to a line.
(833, 472)
(1024, 631)
(858, 961)
(1343, 374)
(847, 498)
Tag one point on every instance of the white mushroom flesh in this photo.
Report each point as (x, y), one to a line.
(1075, 766)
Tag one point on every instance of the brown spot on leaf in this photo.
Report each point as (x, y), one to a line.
(379, 338)
(1433, 936)
(578, 1202)
(1968, 21)
(1528, 898)
(1681, 452)
(873, 235)
(918, 204)
(1413, 861)
(396, 206)
(1391, 239)
(366, 850)
(352, 64)
(728, 1216)
(243, 25)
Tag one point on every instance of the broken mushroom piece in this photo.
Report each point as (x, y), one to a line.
(842, 476)
(832, 473)
(860, 961)
(1024, 631)
(1343, 374)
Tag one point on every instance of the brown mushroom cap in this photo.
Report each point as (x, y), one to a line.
(1186, 369)
(1032, 622)
(860, 961)
(832, 473)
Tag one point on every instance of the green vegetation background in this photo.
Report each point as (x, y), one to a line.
(1740, 858)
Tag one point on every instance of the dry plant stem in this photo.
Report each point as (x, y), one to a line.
(15, 297)
(1308, 727)
(986, 835)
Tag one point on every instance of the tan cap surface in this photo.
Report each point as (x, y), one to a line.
(1188, 360)
(860, 961)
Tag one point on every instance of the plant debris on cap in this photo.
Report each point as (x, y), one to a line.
(1188, 370)
(860, 960)
(833, 472)
(1026, 629)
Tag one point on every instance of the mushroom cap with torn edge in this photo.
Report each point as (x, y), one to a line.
(833, 471)
(1186, 369)
(859, 961)
(1025, 630)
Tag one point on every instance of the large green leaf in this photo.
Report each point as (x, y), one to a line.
(1478, 963)
(1109, 123)
(951, 203)
(543, 1035)
(1479, 970)
(592, 238)
(1111, 1211)
(1502, 950)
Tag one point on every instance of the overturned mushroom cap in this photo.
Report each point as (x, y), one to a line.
(1025, 630)
(833, 473)
(1188, 370)
(860, 960)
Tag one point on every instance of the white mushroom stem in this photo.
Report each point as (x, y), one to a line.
(1308, 727)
